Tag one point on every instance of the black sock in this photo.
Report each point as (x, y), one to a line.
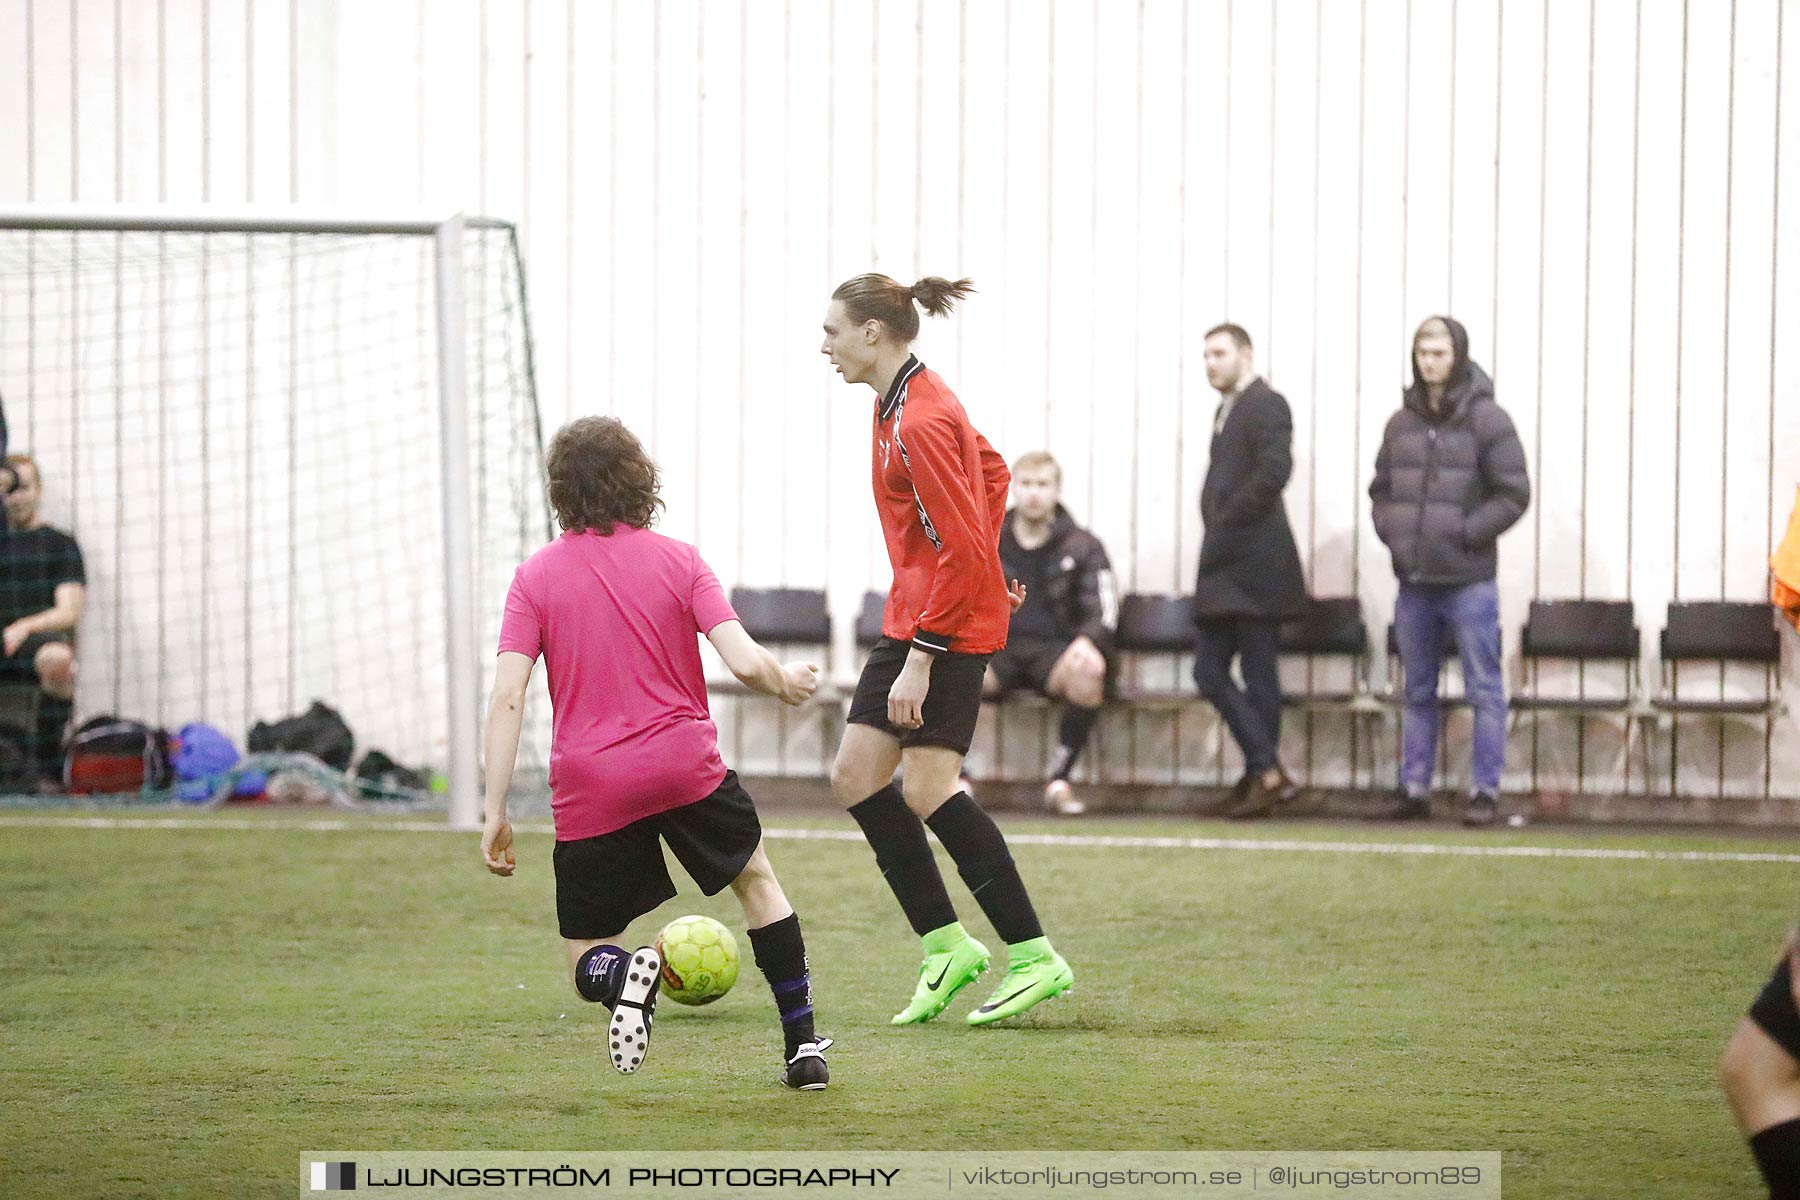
(1076, 727)
(903, 853)
(781, 955)
(600, 975)
(53, 722)
(1777, 1151)
(986, 865)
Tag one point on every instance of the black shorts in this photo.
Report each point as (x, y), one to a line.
(605, 883)
(22, 667)
(952, 701)
(1026, 663)
(1773, 1010)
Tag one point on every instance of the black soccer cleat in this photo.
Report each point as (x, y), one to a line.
(629, 1033)
(806, 1071)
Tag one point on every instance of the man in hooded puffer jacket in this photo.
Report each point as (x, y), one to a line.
(1449, 480)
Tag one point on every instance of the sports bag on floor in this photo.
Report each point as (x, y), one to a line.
(108, 754)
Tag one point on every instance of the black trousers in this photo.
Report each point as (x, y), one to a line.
(1252, 712)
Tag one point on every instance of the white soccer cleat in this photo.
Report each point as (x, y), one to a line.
(1060, 798)
(629, 1033)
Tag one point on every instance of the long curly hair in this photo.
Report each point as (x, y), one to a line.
(601, 477)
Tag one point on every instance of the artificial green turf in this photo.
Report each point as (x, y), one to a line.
(187, 1011)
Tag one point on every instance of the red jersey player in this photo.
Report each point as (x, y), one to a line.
(940, 490)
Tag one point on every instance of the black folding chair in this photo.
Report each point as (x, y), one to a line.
(784, 616)
(868, 619)
(1154, 625)
(787, 620)
(1589, 632)
(1723, 633)
(1332, 629)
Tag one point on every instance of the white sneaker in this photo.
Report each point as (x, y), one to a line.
(629, 1033)
(1060, 799)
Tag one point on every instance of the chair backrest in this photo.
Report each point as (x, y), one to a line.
(1330, 625)
(1723, 630)
(1604, 629)
(868, 618)
(1150, 623)
(1446, 642)
(783, 614)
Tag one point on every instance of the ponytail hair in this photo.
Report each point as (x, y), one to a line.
(878, 298)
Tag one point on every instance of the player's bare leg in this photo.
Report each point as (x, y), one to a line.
(1081, 688)
(866, 761)
(1761, 1080)
(1762, 1084)
(55, 664)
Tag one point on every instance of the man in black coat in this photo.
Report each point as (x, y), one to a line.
(1060, 642)
(1449, 480)
(1249, 579)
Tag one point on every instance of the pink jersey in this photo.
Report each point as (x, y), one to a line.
(615, 618)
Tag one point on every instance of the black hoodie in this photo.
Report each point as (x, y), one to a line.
(1081, 595)
(1448, 482)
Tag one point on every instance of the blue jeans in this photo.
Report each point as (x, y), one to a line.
(1421, 614)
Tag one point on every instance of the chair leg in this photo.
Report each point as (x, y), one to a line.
(1647, 747)
(828, 723)
(1625, 755)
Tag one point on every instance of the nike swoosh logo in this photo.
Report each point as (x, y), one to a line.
(1009, 999)
(938, 982)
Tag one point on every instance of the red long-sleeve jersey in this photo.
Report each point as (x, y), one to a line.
(941, 491)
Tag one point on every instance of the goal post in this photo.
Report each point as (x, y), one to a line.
(302, 455)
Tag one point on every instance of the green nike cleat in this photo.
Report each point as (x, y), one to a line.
(1029, 981)
(951, 964)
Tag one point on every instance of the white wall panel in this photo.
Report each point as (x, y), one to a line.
(184, 120)
(1604, 192)
(16, 86)
(1336, 496)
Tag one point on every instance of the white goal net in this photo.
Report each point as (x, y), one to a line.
(301, 461)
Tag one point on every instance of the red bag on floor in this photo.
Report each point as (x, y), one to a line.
(110, 755)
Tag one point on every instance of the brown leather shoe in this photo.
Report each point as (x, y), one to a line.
(1259, 800)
